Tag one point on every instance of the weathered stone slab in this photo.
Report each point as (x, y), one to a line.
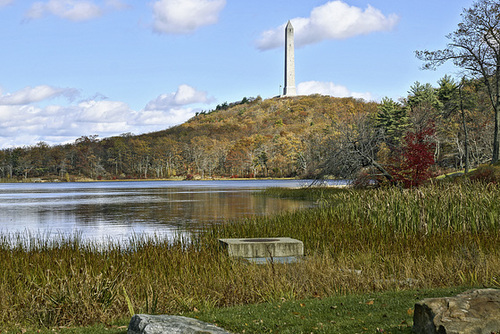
(170, 324)
(471, 312)
(263, 248)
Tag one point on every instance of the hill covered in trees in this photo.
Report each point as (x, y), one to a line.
(255, 137)
(303, 136)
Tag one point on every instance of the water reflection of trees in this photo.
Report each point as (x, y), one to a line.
(183, 209)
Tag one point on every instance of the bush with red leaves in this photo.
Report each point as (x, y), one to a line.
(416, 158)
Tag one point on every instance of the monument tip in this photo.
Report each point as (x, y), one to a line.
(289, 89)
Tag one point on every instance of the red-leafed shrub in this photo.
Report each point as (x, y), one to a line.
(416, 158)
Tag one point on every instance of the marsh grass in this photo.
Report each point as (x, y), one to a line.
(356, 242)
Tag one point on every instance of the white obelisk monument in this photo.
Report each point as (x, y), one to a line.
(289, 89)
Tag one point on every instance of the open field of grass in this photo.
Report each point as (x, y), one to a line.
(357, 242)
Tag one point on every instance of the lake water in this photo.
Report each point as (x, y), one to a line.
(103, 211)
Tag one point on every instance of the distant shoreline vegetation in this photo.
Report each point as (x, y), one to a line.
(252, 138)
(177, 178)
(304, 137)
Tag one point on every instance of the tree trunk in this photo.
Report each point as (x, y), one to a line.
(496, 107)
(466, 134)
(496, 137)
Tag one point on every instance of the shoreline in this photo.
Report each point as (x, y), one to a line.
(81, 180)
(88, 180)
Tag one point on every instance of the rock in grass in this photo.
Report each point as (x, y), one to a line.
(471, 312)
(171, 324)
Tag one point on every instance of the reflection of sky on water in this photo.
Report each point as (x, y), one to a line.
(106, 211)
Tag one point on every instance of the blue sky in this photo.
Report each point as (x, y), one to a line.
(70, 68)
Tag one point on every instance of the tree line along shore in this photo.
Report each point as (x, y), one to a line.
(280, 137)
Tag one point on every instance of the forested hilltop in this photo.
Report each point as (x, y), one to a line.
(303, 136)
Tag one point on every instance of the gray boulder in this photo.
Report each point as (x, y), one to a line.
(471, 312)
(170, 324)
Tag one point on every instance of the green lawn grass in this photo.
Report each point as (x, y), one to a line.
(382, 312)
(388, 312)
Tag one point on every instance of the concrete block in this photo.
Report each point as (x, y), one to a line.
(261, 249)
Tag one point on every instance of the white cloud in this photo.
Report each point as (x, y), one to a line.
(168, 117)
(184, 95)
(185, 16)
(73, 10)
(333, 20)
(54, 124)
(23, 122)
(36, 94)
(103, 112)
(329, 88)
(17, 122)
(5, 2)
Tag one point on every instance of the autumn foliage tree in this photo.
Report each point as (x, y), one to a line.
(417, 157)
(475, 48)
